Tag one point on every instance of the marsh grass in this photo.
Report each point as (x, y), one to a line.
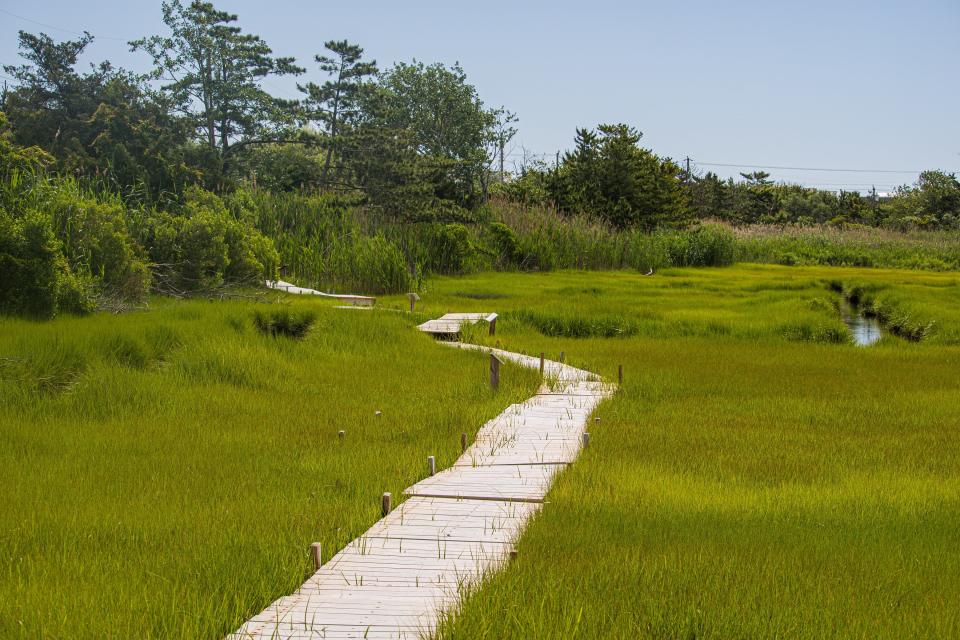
(164, 472)
(742, 483)
(283, 322)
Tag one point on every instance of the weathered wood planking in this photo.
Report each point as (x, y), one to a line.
(398, 579)
(449, 324)
(355, 300)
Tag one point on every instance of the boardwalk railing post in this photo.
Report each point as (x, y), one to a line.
(315, 552)
(385, 506)
(431, 465)
(493, 325)
(586, 439)
(494, 371)
(620, 374)
(541, 364)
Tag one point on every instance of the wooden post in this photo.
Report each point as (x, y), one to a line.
(513, 554)
(377, 414)
(413, 300)
(493, 326)
(597, 419)
(463, 442)
(620, 374)
(494, 371)
(385, 504)
(562, 356)
(341, 434)
(431, 465)
(315, 552)
(541, 364)
(586, 439)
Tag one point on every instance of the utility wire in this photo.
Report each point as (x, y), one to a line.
(50, 26)
(770, 166)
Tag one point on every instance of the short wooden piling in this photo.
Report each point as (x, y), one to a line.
(463, 442)
(513, 554)
(385, 506)
(493, 326)
(620, 374)
(586, 439)
(562, 356)
(494, 371)
(597, 420)
(431, 465)
(315, 553)
(541, 364)
(341, 434)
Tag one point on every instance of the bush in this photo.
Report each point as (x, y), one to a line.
(506, 247)
(96, 242)
(448, 248)
(283, 322)
(207, 246)
(35, 280)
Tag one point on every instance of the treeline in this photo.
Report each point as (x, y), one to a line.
(192, 177)
(609, 176)
(415, 139)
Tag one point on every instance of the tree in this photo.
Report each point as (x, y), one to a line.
(336, 101)
(104, 123)
(446, 123)
(609, 175)
(214, 71)
(933, 201)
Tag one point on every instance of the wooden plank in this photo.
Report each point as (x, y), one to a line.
(397, 579)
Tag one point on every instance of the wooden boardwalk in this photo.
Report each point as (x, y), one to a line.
(397, 579)
(448, 325)
(355, 300)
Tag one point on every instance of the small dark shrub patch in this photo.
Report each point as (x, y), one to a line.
(283, 322)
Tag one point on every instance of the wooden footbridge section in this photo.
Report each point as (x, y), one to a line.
(396, 580)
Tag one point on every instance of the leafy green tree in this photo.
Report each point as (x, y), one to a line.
(336, 103)
(105, 123)
(213, 72)
(610, 176)
(445, 122)
(933, 201)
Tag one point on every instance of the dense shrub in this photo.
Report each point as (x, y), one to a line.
(506, 246)
(35, 280)
(96, 242)
(207, 245)
(283, 322)
(448, 248)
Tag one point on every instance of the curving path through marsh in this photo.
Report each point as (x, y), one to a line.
(397, 579)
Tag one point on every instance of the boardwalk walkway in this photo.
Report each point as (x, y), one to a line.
(397, 579)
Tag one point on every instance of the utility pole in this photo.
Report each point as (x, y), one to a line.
(687, 179)
(873, 197)
(502, 175)
(556, 164)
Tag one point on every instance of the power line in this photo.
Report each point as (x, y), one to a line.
(50, 26)
(770, 166)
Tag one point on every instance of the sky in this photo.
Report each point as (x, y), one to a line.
(870, 86)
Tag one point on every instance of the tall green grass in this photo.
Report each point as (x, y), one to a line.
(164, 472)
(850, 247)
(741, 484)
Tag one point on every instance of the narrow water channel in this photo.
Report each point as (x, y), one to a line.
(865, 331)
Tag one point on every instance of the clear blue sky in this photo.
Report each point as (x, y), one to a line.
(861, 85)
